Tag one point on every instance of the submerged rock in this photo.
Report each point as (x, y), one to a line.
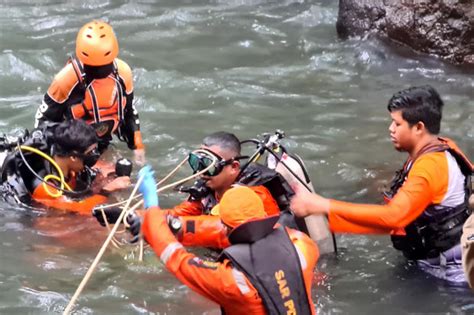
(440, 27)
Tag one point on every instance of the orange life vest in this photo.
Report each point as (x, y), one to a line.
(104, 100)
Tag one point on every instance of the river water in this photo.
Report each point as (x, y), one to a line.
(244, 66)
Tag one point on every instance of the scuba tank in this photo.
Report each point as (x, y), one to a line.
(293, 170)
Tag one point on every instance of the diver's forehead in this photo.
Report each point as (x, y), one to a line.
(223, 153)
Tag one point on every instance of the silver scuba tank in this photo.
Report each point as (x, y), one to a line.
(318, 226)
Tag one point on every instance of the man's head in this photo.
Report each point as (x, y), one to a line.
(415, 112)
(226, 147)
(96, 48)
(239, 205)
(75, 142)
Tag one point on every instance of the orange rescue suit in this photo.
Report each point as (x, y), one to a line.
(203, 230)
(83, 206)
(219, 281)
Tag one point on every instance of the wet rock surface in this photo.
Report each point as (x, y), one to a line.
(444, 28)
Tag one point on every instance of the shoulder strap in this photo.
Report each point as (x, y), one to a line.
(78, 70)
(121, 90)
(279, 280)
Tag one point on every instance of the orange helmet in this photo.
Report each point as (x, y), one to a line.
(96, 44)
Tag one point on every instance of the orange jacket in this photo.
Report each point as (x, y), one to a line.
(219, 281)
(83, 206)
(435, 178)
(204, 230)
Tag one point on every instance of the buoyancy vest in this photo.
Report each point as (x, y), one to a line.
(14, 171)
(18, 183)
(438, 228)
(259, 175)
(254, 175)
(104, 101)
(279, 280)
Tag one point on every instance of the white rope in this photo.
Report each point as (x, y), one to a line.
(86, 278)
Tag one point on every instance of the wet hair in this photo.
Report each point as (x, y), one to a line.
(224, 140)
(73, 136)
(419, 103)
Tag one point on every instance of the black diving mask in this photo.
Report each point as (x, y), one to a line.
(90, 159)
(203, 159)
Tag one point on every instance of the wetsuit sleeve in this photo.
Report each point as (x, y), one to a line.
(213, 280)
(424, 185)
(203, 231)
(63, 92)
(130, 129)
(186, 208)
(83, 206)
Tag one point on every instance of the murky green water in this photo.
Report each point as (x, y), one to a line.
(249, 67)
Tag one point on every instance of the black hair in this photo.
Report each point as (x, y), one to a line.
(73, 136)
(224, 140)
(419, 103)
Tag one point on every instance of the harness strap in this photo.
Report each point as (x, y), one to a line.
(95, 104)
(119, 83)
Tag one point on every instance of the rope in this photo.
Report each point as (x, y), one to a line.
(91, 269)
(122, 217)
(170, 174)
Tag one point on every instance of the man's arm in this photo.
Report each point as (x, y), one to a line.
(215, 281)
(426, 184)
(83, 206)
(186, 208)
(63, 92)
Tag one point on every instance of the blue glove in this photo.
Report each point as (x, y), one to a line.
(148, 186)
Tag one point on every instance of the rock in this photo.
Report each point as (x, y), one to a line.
(444, 28)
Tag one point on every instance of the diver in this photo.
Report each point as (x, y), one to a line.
(195, 221)
(97, 87)
(427, 203)
(52, 167)
(243, 280)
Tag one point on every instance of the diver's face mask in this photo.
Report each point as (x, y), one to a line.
(90, 158)
(203, 159)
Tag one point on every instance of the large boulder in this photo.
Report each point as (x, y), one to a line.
(440, 27)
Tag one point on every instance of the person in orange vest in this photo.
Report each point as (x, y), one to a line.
(427, 204)
(97, 87)
(31, 173)
(243, 280)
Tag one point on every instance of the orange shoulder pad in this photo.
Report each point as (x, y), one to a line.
(63, 84)
(125, 73)
(454, 147)
(269, 203)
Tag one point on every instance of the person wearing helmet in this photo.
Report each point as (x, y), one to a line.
(243, 280)
(97, 87)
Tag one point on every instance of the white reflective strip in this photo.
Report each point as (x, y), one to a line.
(303, 262)
(169, 250)
(39, 112)
(240, 280)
